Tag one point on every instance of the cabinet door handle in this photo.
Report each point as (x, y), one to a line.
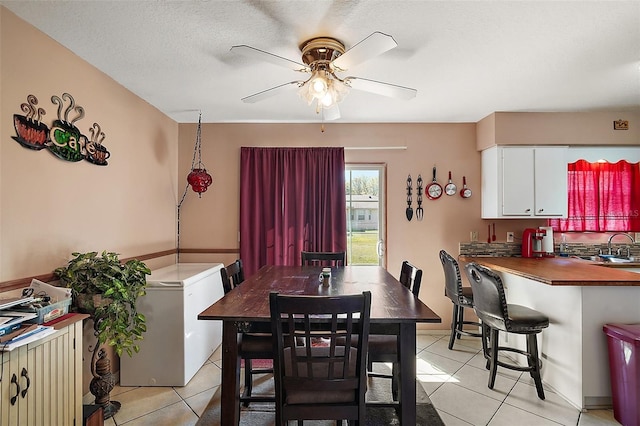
(14, 380)
(527, 211)
(540, 211)
(25, 374)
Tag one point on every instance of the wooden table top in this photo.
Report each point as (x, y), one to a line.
(559, 270)
(390, 301)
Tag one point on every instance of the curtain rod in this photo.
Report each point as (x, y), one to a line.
(349, 148)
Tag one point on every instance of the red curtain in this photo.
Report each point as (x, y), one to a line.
(603, 197)
(291, 199)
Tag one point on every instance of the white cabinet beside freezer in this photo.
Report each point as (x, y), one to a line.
(524, 181)
(176, 344)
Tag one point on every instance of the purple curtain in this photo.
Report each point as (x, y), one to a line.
(291, 199)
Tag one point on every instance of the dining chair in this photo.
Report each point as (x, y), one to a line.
(251, 346)
(461, 297)
(497, 315)
(384, 348)
(320, 382)
(325, 258)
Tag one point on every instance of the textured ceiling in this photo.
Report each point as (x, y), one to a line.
(467, 59)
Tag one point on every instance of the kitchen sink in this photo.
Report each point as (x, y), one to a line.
(614, 259)
(606, 260)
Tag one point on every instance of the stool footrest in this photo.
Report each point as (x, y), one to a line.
(516, 366)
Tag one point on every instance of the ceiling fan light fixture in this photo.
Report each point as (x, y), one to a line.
(323, 58)
(327, 100)
(319, 84)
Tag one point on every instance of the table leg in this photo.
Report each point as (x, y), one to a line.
(230, 398)
(407, 358)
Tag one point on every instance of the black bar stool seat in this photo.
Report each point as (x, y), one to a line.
(497, 315)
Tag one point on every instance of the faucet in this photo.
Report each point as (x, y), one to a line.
(618, 233)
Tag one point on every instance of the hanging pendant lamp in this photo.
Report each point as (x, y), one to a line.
(198, 178)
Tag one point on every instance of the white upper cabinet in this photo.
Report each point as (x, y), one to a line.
(524, 181)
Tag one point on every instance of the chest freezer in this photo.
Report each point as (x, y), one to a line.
(176, 344)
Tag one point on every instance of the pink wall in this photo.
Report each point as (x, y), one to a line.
(212, 221)
(557, 128)
(50, 207)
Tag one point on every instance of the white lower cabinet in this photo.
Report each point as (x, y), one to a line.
(42, 381)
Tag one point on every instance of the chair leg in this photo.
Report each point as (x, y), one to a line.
(248, 381)
(454, 325)
(534, 363)
(395, 381)
(460, 320)
(493, 357)
(485, 343)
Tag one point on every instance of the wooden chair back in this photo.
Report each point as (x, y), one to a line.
(411, 277)
(232, 276)
(322, 382)
(324, 258)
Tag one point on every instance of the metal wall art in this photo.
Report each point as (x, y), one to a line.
(419, 210)
(433, 191)
(63, 139)
(409, 210)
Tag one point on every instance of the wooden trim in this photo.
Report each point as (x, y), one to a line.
(214, 251)
(25, 282)
(154, 255)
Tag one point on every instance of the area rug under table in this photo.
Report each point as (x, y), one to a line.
(379, 389)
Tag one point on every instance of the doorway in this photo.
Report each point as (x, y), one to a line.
(366, 217)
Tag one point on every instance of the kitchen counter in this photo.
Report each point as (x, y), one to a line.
(563, 271)
(579, 297)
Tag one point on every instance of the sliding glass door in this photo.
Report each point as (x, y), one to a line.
(366, 218)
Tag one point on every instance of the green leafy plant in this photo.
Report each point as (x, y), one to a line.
(107, 289)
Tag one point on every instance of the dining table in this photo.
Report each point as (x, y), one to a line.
(394, 311)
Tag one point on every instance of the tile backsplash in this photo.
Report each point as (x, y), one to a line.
(572, 249)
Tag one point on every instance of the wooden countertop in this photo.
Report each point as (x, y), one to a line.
(561, 270)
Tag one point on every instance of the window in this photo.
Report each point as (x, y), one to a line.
(602, 197)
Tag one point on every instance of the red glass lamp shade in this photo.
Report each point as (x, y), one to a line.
(199, 180)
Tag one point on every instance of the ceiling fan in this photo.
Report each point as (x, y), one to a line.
(323, 58)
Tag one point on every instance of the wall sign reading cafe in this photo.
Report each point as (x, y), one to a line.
(63, 139)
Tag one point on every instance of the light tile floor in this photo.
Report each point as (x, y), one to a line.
(455, 380)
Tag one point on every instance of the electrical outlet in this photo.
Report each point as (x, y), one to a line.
(474, 236)
(509, 237)
(637, 237)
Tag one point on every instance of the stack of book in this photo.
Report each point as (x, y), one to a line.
(14, 332)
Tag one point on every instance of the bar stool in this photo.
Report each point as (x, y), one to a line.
(496, 315)
(462, 297)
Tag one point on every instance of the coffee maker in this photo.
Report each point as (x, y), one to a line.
(532, 242)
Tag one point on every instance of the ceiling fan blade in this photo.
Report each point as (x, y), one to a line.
(374, 45)
(252, 52)
(330, 114)
(380, 88)
(256, 97)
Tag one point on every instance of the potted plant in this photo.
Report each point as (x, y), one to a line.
(107, 289)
